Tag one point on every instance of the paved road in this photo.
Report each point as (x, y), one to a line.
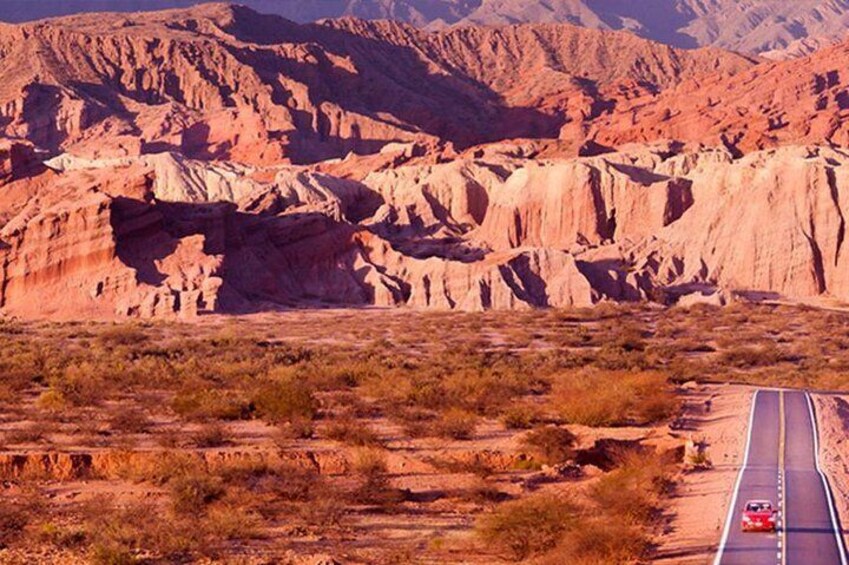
(781, 466)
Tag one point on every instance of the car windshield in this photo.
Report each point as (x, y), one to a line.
(758, 506)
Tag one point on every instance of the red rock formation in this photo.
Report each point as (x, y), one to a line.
(225, 82)
(792, 102)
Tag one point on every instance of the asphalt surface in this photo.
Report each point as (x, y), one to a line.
(790, 479)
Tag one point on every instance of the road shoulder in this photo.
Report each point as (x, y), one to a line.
(698, 510)
(833, 424)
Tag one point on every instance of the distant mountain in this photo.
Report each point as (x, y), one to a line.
(778, 29)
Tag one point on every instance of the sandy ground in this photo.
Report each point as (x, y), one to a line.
(718, 415)
(833, 424)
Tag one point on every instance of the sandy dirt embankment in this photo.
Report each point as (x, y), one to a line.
(833, 425)
(717, 415)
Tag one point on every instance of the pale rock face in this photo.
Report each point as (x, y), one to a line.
(177, 179)
(586, 201)
(467, 234)
(454, 197)
(771, 221)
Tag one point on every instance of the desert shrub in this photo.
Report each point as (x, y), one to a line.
(120, 534)
(349, 404)
(211, 435)
(164, 468)
(264, 491)
(192, 492)
(457, 424)
(632, 491)
(699, 460)
(476, 465)
(596, 398)
(520, 417)
(232, 522)
(51, 400)
(415, 421)
(335, 373)
(613, 357)
(61, 536)
(369, 464)
(285, 400)
(34, 432)
(352, 432)
(550, 445)
(213, 404)
(130, 420)
(600, 541)
(528, 526)
(298, 428)
(121, 336)
(481, 493)
(112, 554)
(83, 384)
(326, 508)
(746, 356)
(486, 390)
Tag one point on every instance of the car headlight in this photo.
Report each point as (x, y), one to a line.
(746, 519)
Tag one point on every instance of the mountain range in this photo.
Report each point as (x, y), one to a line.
(215, 159)
(754, 27)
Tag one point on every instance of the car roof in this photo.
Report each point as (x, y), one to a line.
(759, 501)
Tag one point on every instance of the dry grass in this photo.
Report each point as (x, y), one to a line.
(383, 384)
(614, 398)
(550, 445)
(612, 526)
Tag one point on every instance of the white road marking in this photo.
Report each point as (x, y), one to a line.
(782, 453)
(832, 513)
(733, 506)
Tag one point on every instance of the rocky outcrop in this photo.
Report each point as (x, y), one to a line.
(17, 160)
(584, 201)
(772, 221)
(111, 238)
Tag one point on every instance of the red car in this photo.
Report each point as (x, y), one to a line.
(759, 516)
